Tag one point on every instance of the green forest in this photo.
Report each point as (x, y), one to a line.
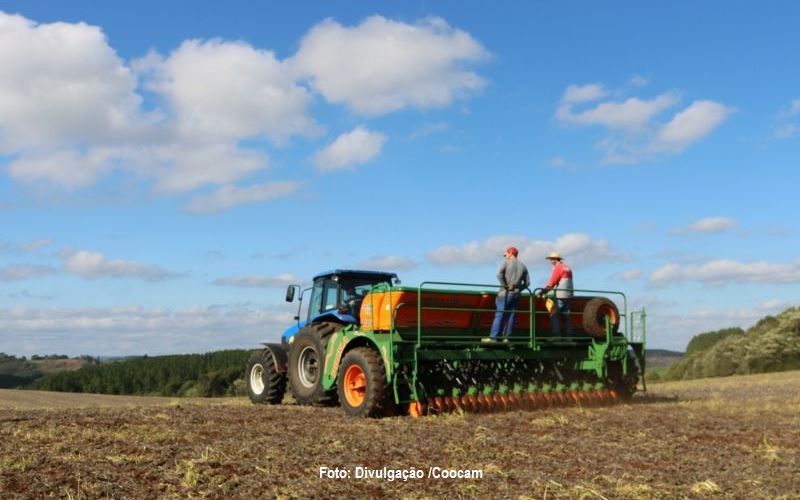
(771, 345)
(202, 375)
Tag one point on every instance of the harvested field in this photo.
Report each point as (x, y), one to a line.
(736, 437)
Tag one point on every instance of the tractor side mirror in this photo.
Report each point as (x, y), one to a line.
(397, 281)
(290, 293)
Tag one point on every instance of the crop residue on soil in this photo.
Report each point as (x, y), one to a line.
(735, 437)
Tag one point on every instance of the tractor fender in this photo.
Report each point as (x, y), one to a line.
(342, 346)
(279, 356)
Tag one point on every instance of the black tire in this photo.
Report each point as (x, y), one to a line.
(594, 317)
(265, 385)
(307, 364)
(624, 385)
(376, 402)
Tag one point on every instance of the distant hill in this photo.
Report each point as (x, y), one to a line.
(772, 344)
(21, 371)
(661, 358)
(212, 374)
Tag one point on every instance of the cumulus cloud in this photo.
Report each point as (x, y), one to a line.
(356, 147)
(258, 281)
(707, 225)
(579, 249)
(71, 110)
(382, 65)
(387, 262)
(95, 265)
(575, 94)
(722, 272)
(631, 114)
(222, 89)
(690, 125)
(227, 197)
(18, 272)
(135, 330)
(634, 130)
(62, 86)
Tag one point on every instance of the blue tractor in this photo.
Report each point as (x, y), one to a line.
(297, 361)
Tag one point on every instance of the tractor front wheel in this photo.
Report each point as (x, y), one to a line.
(362, 384)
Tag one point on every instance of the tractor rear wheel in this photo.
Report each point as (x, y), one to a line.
(265, 385)
(594, 317)
(307, 364)
(362, 384)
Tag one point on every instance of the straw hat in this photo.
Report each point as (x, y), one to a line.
(554, 256)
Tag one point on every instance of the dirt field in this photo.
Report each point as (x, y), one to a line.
(737, 437)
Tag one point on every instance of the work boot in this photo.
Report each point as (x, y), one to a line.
(488, 340)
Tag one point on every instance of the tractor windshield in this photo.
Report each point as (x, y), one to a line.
(343, 293)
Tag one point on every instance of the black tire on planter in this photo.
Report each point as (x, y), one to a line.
(265, 385)
(594, 314)
(307, 363)
(624, 385)
(376, 402)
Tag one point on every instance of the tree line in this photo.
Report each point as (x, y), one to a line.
(210, 374)
(771, 345)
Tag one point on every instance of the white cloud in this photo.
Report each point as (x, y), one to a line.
(227, 197)
(18, 272)
(558, 162)
(575, 94)
(258, 281)
(577, 249)
(630, 275)
(231, 90)
(95, 265)
(356, 147)
(62, 86)
(634, 131)
(381, 65)
(631, 115)
(136, 330)
(387, 262)
(691, 125)
(722, 272)
(70, 111)
(707, 225)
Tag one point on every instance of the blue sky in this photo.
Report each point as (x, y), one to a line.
(165, 172)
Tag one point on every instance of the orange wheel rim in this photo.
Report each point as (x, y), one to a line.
(355, 386)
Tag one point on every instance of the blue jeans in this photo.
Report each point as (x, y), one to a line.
(505, 302)
(562, 309)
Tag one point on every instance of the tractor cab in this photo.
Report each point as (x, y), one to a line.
(336, 296)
